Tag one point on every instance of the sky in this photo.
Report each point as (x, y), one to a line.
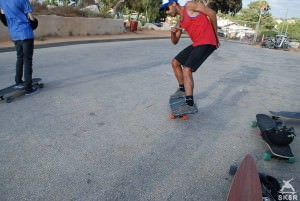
(279, 8)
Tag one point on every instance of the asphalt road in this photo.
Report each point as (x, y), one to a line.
(100, 129)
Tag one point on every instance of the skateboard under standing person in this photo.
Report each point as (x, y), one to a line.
(18, 15)
(200, 22)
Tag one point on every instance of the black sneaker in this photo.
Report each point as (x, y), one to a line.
(32, 91)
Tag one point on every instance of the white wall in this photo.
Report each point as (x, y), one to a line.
(52, 25)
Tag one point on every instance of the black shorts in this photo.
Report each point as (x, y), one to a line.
(193, 57)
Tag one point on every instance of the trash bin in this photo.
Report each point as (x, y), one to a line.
(133, 26)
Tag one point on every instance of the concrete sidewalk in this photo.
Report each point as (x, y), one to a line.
(62, 41)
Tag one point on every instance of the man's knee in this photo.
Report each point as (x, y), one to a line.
(187, 71)
(175, 63)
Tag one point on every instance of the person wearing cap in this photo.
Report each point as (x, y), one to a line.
(18, 14)
(200, 23)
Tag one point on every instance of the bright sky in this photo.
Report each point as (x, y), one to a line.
(279, 8)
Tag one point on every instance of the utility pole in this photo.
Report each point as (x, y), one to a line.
(284, 22)
(287, 26)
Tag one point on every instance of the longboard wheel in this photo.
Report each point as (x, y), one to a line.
(9, 100)
(291, 160)
(232, 170)
(184, 117)
(41, 85)
(267, 156)
(253, 124)
(172, 116)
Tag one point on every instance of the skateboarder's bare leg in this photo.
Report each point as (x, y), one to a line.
(188, 85)
(177, 71)
(176, 65)
(188, 81)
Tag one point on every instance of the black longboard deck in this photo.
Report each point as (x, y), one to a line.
(9, 93)
(265, 123)
(281, 151)
(286, 114)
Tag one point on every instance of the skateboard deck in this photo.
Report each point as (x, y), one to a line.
(269, 185)
(174, 104)
(290, 115)
(10, 93)
(246, 184)
(266, 123)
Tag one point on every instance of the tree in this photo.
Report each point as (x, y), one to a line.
(152, 8)
(224, 6)
(110, 3)
(149, 7)
(292, 29)
(257, 12)
(136, 5)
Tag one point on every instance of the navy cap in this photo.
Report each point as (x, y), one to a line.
(166, 4)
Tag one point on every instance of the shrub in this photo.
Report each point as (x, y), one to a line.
(65, 11)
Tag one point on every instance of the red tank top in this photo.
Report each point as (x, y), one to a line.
(199, 29)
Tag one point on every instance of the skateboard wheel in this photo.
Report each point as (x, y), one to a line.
(266, 156)
(232, 170)
(172, 116)
(291, 160)
(41, 85)
(253, 124)
(9, 100)
(184, 117)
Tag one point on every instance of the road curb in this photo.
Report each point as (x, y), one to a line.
(79, 42)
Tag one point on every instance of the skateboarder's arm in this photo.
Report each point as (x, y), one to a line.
(175, 34)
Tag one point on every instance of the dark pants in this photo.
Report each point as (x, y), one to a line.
(192, 57)
(24, 50)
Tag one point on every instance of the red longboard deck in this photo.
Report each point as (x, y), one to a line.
(246, 184)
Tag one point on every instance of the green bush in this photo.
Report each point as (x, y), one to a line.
(66, 11)
(268, 33)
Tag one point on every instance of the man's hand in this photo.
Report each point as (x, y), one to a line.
(31, 16)
(175, 29)
(175, 34)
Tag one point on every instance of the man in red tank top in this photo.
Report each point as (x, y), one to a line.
(200, 22)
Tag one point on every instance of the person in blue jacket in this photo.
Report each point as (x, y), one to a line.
(18, 15)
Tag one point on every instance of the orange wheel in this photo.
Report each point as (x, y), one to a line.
(172, 116)
(184, 117)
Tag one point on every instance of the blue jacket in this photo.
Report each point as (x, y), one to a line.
(17, 21)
